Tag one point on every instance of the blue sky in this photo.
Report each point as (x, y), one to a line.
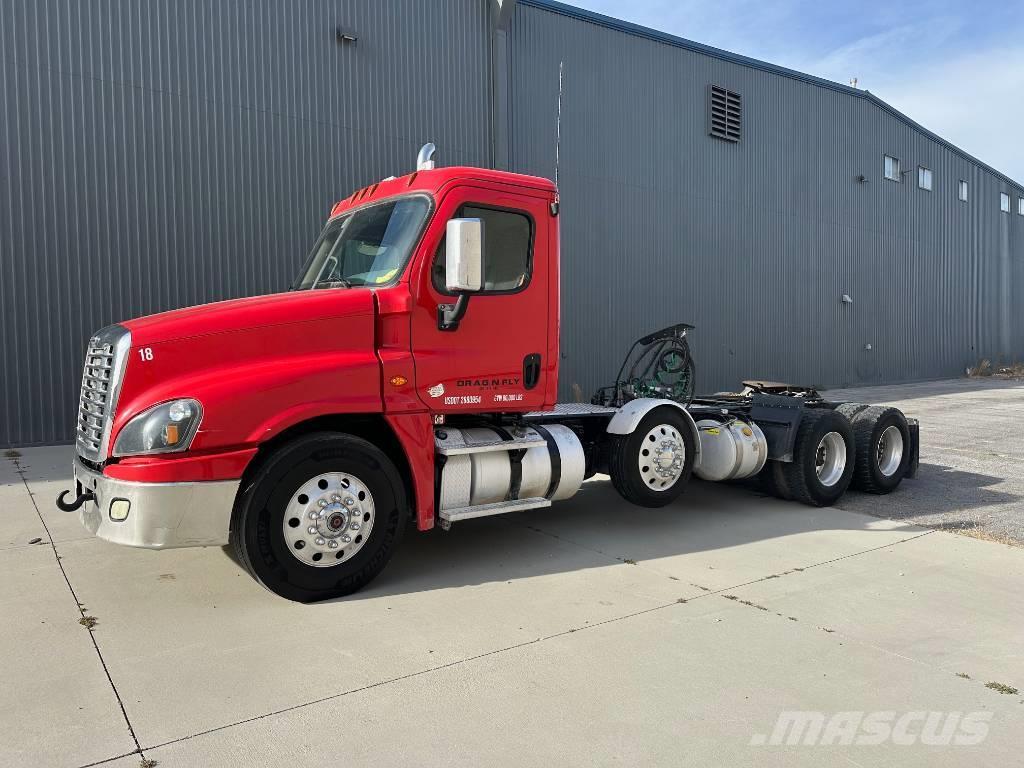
(955, 67)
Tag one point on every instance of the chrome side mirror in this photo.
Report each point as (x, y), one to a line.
(464, 255)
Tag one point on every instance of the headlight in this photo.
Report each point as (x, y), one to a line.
(164, 428)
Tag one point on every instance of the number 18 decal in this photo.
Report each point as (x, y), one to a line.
(146, 353)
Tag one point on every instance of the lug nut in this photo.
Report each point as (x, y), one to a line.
(346, 538)
(349, 501)
(312, 529)
(335, 498)
(332, 544)
(354, 527)
(320, 541)
(322, 503)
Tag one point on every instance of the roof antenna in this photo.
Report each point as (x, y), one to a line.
(558, 122)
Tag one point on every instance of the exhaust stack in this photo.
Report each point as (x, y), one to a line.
(425, 159)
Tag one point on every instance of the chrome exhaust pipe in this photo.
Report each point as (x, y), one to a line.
(425, 159)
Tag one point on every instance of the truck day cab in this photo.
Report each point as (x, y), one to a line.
(411, 373)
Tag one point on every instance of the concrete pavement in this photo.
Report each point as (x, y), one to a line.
(592, 633)
(972, 456)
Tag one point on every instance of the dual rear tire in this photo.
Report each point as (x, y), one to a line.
(855, 445)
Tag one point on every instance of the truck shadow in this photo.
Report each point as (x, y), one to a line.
(597, 528)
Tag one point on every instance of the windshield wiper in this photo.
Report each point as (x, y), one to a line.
(334, 283)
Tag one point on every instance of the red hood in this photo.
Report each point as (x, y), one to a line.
(254, 312)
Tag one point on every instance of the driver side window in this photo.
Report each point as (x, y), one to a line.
(507, 254)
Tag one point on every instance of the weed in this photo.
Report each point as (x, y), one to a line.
(1002, 688)
(89, 622)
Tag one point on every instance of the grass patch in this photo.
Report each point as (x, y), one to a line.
(964, 675)
(89, 622)
(10, 453)
(1003, 688)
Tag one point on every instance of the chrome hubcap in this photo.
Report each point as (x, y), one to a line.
(328, 519)
(661, 458)
(890, 451)
(830, 459)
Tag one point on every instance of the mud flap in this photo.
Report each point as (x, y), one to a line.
(915, 447)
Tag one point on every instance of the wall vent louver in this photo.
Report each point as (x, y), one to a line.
(725, 111)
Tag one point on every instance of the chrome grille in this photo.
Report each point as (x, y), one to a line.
(105, 359)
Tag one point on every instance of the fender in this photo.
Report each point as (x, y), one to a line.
(629, 415)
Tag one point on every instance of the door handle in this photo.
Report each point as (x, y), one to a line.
(531, 370)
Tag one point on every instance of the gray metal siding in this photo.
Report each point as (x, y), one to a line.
(161, 154)
(755, 242)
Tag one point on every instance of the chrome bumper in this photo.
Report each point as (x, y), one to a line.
(160, 515)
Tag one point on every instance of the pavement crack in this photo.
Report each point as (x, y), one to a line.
(107, 760)
(418, 673)
(709, 592)
(87, 621)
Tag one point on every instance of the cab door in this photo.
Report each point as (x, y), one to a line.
(494, 360)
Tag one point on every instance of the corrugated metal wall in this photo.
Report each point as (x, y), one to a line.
(755, 242)
(160, 154)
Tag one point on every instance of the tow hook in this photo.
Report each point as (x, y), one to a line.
(83, 496)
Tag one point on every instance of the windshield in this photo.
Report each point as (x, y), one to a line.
(367, 247)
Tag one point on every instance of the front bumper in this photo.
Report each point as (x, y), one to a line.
(160, 515)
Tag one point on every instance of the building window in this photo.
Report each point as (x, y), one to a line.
(924, 178)
(962, 192)
(1020, 205)
(892, 168)
(1004, 202)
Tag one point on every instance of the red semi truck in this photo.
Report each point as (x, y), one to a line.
(411, 373)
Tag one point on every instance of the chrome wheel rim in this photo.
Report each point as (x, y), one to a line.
(662, 456)
(328, 519)
(830, 459)
(889, 453)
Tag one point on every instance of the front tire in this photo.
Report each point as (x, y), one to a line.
(320, 518)
(651, 466)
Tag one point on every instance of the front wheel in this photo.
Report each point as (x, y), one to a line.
(320, 518)
(651, 465)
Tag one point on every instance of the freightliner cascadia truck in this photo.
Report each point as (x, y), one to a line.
(410, 375)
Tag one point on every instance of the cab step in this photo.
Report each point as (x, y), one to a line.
(497, 508)
(454, 446)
